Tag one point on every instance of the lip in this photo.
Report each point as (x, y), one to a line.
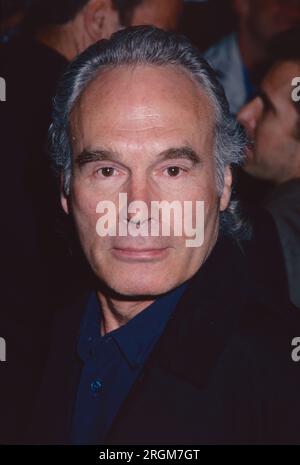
(145, 255)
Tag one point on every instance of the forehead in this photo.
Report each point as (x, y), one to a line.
(278, 81)
(135, 102)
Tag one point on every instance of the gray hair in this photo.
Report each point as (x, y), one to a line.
(147, 45)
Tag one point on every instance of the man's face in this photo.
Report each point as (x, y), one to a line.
(130, 132)
(163, 14)
(272, 121)
(266, 18)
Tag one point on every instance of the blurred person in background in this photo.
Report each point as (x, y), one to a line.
(237, 58)
(272, 120)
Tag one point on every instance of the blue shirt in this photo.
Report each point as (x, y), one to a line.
(112, 363)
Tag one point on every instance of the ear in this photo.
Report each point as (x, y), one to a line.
(226, 194)
(63, 196)
(99, 17)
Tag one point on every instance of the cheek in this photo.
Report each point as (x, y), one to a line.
(209, 193)
(203, 186)
(203, 191)
(84, 205)
(269, 136)
(264, 134)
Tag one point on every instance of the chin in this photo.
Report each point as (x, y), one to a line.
(131, 286)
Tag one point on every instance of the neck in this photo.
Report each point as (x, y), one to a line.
(252, 50)
(117, 312)
(61, 39)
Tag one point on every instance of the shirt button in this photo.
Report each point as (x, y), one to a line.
(96, 386)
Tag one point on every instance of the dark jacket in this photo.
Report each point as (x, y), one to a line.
(222, 371)
(283, 203)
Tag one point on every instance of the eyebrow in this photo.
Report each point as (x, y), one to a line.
(184, 152)
(89, 156)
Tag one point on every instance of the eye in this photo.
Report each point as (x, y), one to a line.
(174, 171)
(107, 171)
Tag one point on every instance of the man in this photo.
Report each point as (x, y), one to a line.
(169, 346)
(272, 121)
(237, 57)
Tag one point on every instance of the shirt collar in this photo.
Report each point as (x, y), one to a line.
(137, 337)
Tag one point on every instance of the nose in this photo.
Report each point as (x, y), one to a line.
(248, 116)
(139, 192)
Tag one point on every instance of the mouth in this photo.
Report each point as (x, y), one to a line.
(130, 254)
